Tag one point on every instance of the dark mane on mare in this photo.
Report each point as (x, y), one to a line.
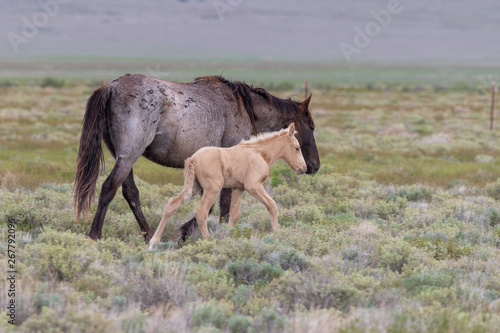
(242, 91)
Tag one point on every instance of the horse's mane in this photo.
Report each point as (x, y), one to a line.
(242, 91)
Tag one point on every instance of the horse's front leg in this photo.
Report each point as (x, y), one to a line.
(225, 204)
(234, 212)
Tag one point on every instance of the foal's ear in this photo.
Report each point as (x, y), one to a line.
(291, 130)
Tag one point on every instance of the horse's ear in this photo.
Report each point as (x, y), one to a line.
(304, 106)
(291, 130)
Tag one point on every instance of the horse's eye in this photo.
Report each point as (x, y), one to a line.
(297, 149)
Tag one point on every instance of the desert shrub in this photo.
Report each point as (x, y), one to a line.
(145, 287)
(252, 272)
(309, 214)
(63, 255)
(134, 321)
(311, 240)
(268, 320)
(212, 313)
(288, 259)
(47, 206)
(350, 253)
(282, 174)
(422, 127)
(312, 290)
(257, 218)
(218, 253)
(414, 193)
(291, 197)
(292, 260)
(361, 247)
(241, 295)
(209, 282)
(41, 300)
(448, 319)
(435, 295)
(388, 209)
(6, 83)
(67, 320)
(52, 82)
(395, 254)
(287, 218)
(493, 189)
(238, 324)
(440, 246)
(325, 188)
(118, 302)
(494, 217)
(432, 279)
(241, 230)
(456, 183)
(116, 248)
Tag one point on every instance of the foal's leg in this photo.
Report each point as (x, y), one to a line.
(131, 194)
(207, 200)
(225, 201)
(172, 205)
(234, 212)
(260, 193)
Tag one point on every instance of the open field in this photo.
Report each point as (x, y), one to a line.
(398, 232)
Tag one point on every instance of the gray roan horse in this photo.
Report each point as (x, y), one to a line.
(167, 122)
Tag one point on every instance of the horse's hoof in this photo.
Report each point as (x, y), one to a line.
(147, 237)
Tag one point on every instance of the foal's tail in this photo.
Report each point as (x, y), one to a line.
(189, 180)
(90, 161)
(191, 188)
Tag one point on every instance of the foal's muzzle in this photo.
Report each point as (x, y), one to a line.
(301, 171)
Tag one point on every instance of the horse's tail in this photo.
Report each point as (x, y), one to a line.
(189, 179)
(90, 161)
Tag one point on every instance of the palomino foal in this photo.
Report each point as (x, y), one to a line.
(243, 167)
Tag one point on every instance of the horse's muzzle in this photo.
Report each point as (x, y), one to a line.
(312, 168)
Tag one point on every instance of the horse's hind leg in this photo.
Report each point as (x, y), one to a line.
(131, 194)
(119, 173)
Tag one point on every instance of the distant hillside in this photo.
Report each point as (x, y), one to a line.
(456, 31)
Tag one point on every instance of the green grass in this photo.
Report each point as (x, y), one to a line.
(326, 74)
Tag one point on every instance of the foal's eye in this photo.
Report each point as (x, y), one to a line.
(297, 149)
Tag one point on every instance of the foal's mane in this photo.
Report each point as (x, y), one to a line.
(262, 137)
(288, 108)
